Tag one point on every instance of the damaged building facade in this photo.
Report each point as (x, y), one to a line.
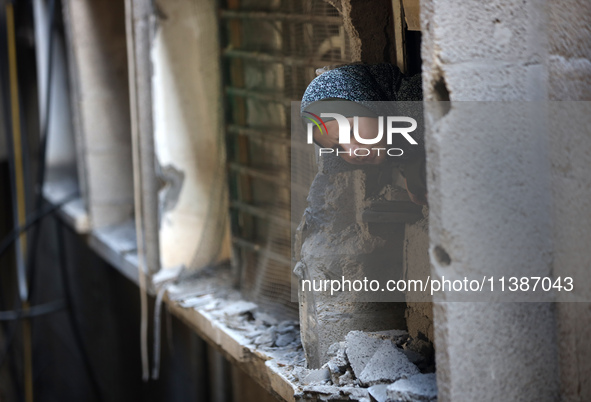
(169, 151)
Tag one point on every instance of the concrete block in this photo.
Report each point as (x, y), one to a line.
(378, 393)
(360, 349)
(387, 365)
(467, 31)
(420, 387)
(317, 376)
(495, 81)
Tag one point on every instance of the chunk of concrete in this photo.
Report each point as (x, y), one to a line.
(387, 365)
(378, 392)
(346, 380)
(317, 376)
(338, 363)
(360, 349)
(419, 387)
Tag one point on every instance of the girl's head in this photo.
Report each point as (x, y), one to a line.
(368, 91)
(357, 90)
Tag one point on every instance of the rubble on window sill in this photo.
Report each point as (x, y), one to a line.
(379, 366)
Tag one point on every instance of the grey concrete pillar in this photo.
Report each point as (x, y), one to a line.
(336, 243)
(570, 151)
(490, 196)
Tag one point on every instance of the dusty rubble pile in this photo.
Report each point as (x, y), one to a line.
(366, 367)
(377, 366)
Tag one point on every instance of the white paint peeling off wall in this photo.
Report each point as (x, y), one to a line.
(194, 227)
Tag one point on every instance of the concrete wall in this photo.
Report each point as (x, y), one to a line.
(473, 53)
(569, 73)
(516, 210)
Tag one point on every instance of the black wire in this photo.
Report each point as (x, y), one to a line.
(6, 101)
(70, 308)
(33, 311)
(32, 221)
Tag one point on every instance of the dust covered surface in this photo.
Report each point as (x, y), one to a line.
(358, 368)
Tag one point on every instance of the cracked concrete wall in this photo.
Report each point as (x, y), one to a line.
(570, 153)
(489, 52)
(194, 227)
(336, 243)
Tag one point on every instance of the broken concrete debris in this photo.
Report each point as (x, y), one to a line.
(379, 392)
(388, 364)
(370, 362)
(319, 376)
(376, 357)
(358, 368)
(360, 349)
(420, 387)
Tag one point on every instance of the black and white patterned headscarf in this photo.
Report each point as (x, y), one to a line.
(362, 83)
(365, 85)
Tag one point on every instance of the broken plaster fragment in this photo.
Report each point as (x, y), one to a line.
(319, 376)
(379, 392)
(387, 365)
(420, 387)
(331, 393)
(336, 348)
(338, 364)
(285, 339)
(267, 338)
(360, 349)
(347, 379)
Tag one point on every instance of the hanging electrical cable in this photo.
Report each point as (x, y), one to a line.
(19, 201)
(33, 220)
(26, 288)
